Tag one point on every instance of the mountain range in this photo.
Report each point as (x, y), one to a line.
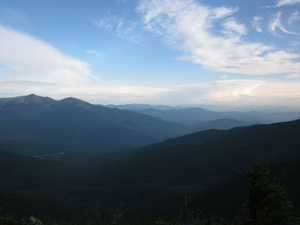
(204, 170)
(200, 115)
(37, 125)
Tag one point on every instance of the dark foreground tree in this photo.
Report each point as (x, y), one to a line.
(267, 202)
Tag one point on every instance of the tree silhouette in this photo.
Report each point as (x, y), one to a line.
(267, 202)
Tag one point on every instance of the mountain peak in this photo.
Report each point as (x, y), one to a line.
(71, 101)
(32, 98)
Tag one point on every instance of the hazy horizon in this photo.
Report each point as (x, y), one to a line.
(208, 107)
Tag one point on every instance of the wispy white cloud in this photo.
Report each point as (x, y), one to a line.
(233, 27)
(295, 43)
(222, 12)
(280, 3)
(293, 76)
(28, 65)
(243, 92)
(123, 28)
(93, 52)
(276, 24)
(109, 23)
(29, 58)
(223, 90)
(294, 17)
(189, 26)
(256, 23)
(281, 92)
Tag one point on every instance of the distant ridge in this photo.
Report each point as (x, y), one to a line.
(200, 115)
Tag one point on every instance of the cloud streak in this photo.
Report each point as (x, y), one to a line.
(256, 23)
(276, 24)
(293, 76)
(93, 52)
(286, 2)
(188, 26)
(123, 28)
(30, 59)
(233, 27)
(222, 91)
(243, 92)
(29, 65)
(294, 17)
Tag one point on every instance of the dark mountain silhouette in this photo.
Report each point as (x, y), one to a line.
(34, 125)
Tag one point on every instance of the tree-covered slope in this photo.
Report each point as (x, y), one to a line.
(207, 168)
(204, 157)
(19, 172)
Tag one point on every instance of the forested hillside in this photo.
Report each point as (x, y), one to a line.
(205, 170)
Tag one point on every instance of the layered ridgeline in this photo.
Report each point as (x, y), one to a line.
(35, 125)
(205, 168)
(202, 116)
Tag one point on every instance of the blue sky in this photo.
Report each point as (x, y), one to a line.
(171, 52)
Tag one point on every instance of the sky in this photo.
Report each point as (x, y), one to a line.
(171, 52)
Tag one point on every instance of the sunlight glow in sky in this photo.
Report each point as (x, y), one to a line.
(169, 52)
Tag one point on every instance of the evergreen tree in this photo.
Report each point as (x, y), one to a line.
(267, 203)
